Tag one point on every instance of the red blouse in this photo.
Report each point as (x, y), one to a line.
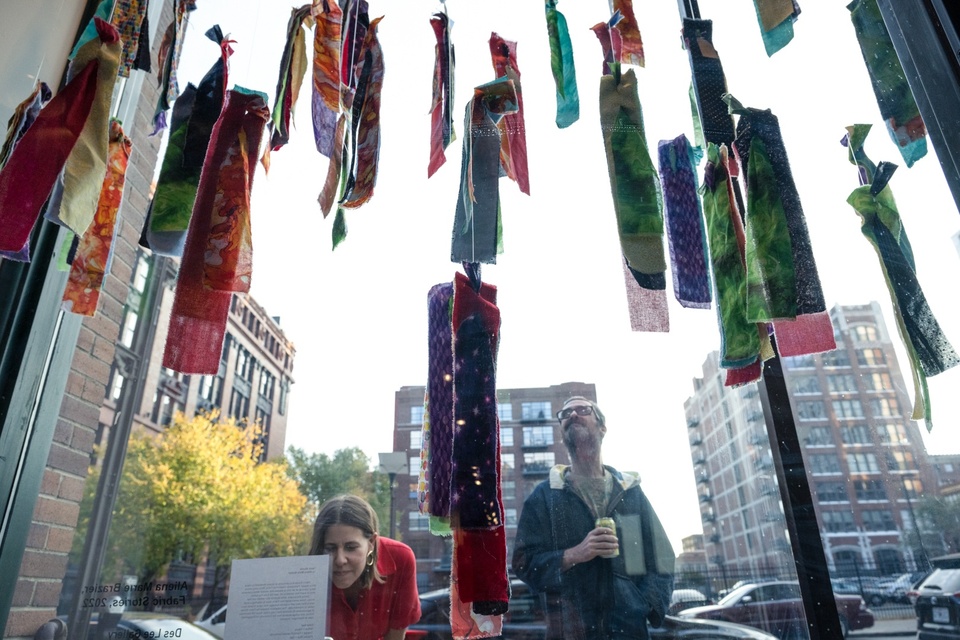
(393, 604)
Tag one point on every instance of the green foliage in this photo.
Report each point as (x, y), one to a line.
(938, 520)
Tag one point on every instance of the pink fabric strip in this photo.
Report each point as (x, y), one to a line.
(647, 307)
(809, 333)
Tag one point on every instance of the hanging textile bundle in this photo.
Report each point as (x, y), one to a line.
(218, 253)
(686, 237)
(632, 45)
(168, 59)
(476, 227)
(86, 165)
(293, 66)
(513, 137)
(897, 105)
(783, 282)
(561, 64)
(440, 405)
(91, 261)
(35, 163)
(610, 41)
(709, 83)
(928, 349)
(128, 18)
(325, 103)
(634, 183)
(776, 18)
(441, 104)
(194, 115)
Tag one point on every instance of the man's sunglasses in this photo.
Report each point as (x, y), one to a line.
(580, 410)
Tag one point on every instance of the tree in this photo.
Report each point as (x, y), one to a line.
(197, 490)
(939, 524)
(321, 477)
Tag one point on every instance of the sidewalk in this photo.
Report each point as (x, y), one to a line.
(884, 628)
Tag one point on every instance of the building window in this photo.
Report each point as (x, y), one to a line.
(878, 520)
(892, 434)
(856, 434)
(900, 461)
(826, 463)
(265, 389)
(878, 382)
(508, 461)
(413, 465)
(538, 462)
(912, 487)
(245, 364)
(416, 414)
(284, 390)
(506, 436)
(864, 333)
(535, 411)
(504, 411)
(838, 521)
(862, 463)
(837, 358)
(870, 357)
(239, 404)
(870, 490)
(806, 384)
(418, 521)
(885, 407)
(510, 517)
(509, 489)
(819, 437)
(831, 492)
(847, 409)
(842, 383)
(799, 362)
(541, 436)
(811, 410)
(416, 439)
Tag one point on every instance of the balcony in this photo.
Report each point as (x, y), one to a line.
(699, 461)
(763, 462)
(537, 442)
(696, 440)
(706, 498)
(536, 468)
(693, 423)
(714, 538)
(703, 479)
(708, 516)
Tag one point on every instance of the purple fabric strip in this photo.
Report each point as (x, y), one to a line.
(684, 223)
(440, 391)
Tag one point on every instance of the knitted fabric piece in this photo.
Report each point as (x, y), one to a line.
(632, 51)
(776, 18)
(221, 212)
(440, 393)
(686, 237)
(739, 341)
(293, 66)
(709, 82)
(464, 621)
(647, 307)
(441, 102)
(898, 107)
(763, 124)
(633, 177)
(513, 138)
(325, 102)
(23, 118)
(743, 375)
(92, 257)
(86, 165)
(475, 474)
(128, 18)
(35, 162)
(561, 64)
(476, 226)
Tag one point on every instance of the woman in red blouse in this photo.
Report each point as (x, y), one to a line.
(374, 595)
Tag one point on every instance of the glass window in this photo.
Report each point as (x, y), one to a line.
(505, 411)
(538, 462)
(418, 521)
(900, 461)
(806, 384)
(864, 333)
(824, 463)
(508, 461)
(878, 520)
(855, 434)
(878, 381)
(811, 410)
(799, 362)
(831, 492)
(862, 463)
(413, 466)
(506, 436)
(535, 411)
(885, 407)
(847, 409)
(820, 437)
(841, 383)
(416, 439)
(838, 521)
(510, 517)
(540, 436)
(871, 357)
(869, 490)
(416, 414)
(838, 358)
(892, 434)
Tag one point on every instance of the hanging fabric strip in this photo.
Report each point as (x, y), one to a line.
(476, 227)
(465, 623)
(686, 237)
(91, 261)
(632, 51)
(610, 42)
(743, 375)
(329, 191)
(424, 479)
(482, 570)
(739, 340)
(168, 61)
(128, 16)
(809, 333)
(561, 63)
(709, 83)
(23, 118)
(35, 163)
(646, 307)
(293, 65)
(355, 21)
(513, 137)
(776, 19)
(326, 73)
(898, 107)
(194, 115)
(199, 316)
(103, 12)
(441, 103)
(141, 60)
(440, 392)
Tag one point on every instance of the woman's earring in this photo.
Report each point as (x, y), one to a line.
(370, 559)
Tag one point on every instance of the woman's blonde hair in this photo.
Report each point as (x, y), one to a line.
(351, 511)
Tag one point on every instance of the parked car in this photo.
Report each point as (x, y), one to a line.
(870, 590)
(212, 622)
(526, 621)
(897, 589)
(938, 606)
(776, 607)
(682, 599)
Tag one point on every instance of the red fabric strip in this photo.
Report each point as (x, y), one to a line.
(513, 141)
(809, 333)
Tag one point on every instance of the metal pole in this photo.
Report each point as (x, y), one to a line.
(393, 477)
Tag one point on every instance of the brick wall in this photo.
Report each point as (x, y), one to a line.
(58, 505)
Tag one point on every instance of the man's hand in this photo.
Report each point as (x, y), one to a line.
(599, 543)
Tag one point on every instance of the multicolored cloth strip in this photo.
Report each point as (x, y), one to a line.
(218, 251)
(440, 393)
(513, 137)
(561, 64)
(325, 102)
(929, 350)
(441, 103)
(897, 105)
(739, 339)
(686, 237)
(22, 118)
(709, 83)
(293, 66)
(632, 50)
(776, 19)
(424, 480)
(86, 165)
(168, 60)
(36, 161)
(104, 11)
(128, 18)
(610, 41)
(476, 227)
(465, 623)
(194, 115)
(91, 261)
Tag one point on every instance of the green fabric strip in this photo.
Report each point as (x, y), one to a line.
(561, 63)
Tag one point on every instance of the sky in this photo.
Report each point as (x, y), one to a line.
(357, 315)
